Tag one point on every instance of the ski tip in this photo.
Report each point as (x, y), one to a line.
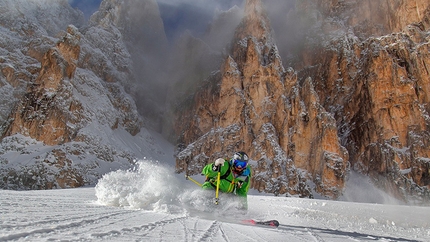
(271, 223)
(274, 223)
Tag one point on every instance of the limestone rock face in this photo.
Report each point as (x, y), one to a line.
(24, 41)
(253, 104)
(38, 114)
(68, 117)
(359, 99)
(377, 86)
(373, 17)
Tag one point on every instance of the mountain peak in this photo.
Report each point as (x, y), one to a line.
(242, 112)
(253, 7)
(255, 23)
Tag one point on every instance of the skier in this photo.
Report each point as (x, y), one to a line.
(235, 176)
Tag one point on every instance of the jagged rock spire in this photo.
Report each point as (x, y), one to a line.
(253, 7)
(257, 106)
(253, 39)
(255, 23)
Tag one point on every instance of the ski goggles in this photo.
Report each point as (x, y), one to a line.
(239, 164)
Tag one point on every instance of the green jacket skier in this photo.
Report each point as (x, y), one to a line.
(235, 175)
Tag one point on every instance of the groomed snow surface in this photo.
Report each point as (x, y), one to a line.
(150, 203)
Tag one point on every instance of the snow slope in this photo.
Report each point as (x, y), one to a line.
(150, 202)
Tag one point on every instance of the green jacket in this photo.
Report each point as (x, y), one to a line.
(230, 182)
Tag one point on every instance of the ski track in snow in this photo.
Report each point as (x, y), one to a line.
(185, 214)
(74, 215)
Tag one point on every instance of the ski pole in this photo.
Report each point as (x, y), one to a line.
(217, 186)
(191, 179)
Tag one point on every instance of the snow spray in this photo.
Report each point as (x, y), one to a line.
(149, 186)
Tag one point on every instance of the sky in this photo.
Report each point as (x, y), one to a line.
(150, 202)
(88, 7)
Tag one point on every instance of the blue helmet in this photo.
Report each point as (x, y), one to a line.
(240, 160)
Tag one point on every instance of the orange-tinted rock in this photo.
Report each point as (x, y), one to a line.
(377, 87)
(39, 115)
(256, 106)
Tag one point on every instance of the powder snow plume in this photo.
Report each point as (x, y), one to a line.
(149, 186)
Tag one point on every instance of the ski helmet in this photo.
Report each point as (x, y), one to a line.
(240, 160)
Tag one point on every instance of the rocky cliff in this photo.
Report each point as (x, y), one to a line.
(71, 116)
(358, 95)
(255, 105)
(371, 69)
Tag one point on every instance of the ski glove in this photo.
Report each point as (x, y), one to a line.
(217, 164)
